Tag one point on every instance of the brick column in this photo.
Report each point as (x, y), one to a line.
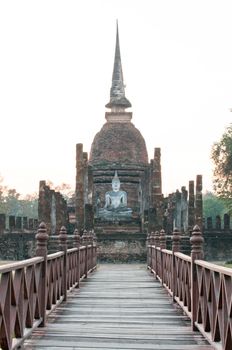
(79, 187)
(31, 224)
(2, 223)
(90, 185)
(18, 223)
(44, 205)
(11, 222)
(199, 202)
(89, 217)
(191, 206)
(25, 223)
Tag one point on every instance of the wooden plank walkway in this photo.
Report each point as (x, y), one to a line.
(118, 307)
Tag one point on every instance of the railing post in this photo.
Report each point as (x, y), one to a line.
(85, 242)
(41, 250)
(156, 243)
(162, 246)
(162, 239)
(151, 240)
(148, 249)
(196, 253)
(63, 246)
(95, 248)
(77, 243)
(175, 248)
(90, 239)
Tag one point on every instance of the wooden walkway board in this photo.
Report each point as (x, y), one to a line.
(118, 307)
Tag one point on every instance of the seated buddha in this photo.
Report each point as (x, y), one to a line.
(115, 201)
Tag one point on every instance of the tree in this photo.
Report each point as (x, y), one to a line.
(12, 204)
(222, 158)
(213, 206)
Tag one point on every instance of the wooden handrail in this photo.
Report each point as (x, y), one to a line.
(202, 289)
(20, 264)
(32, 288)
(213, 267)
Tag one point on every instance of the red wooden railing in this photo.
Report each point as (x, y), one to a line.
(202, 289)
(31, 289)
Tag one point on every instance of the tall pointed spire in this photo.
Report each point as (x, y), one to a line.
(117, 91)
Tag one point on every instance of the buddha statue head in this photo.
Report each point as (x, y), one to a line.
(116, 182)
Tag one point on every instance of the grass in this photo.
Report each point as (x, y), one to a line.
(228, 265)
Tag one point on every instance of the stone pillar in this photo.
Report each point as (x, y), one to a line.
(169, 213)
(2, 223)
(184, 209)
(53, 213)
(25, 223)
(191, 206)
(218, 225)
(89, 217)
(35, 223)
(58, 215)
(11, 222)
(177, 210)
(152, 219)
(199, 202)
(90, 185)
(156, 176)
(18, 223)
(226, 221)
(85, 174)
(31, 224)
(156, 210)
(79, 187)
(44, 205)
(209, 223)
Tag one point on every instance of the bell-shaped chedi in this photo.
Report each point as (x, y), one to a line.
(118, 142)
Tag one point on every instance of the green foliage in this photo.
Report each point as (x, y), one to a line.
(222, 158)
(12, 204)
(213, 206)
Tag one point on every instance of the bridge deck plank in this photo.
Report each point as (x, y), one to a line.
(118, 307)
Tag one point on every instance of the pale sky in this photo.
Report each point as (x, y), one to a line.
(56, 62)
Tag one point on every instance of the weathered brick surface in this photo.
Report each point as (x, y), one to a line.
(118, 143)
(122, 247)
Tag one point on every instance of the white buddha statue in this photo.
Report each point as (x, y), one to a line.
(115, 201)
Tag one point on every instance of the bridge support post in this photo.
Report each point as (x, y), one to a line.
(151, 251)
(63, 245)
(148, 242)
(85, 242)
(197, 253)
(175, 248)
(41, 250)
(162, 246)
(95, 248)
(157, 244)
(77, 243)
(92, 249)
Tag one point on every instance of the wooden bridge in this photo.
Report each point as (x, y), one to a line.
(175, 302)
